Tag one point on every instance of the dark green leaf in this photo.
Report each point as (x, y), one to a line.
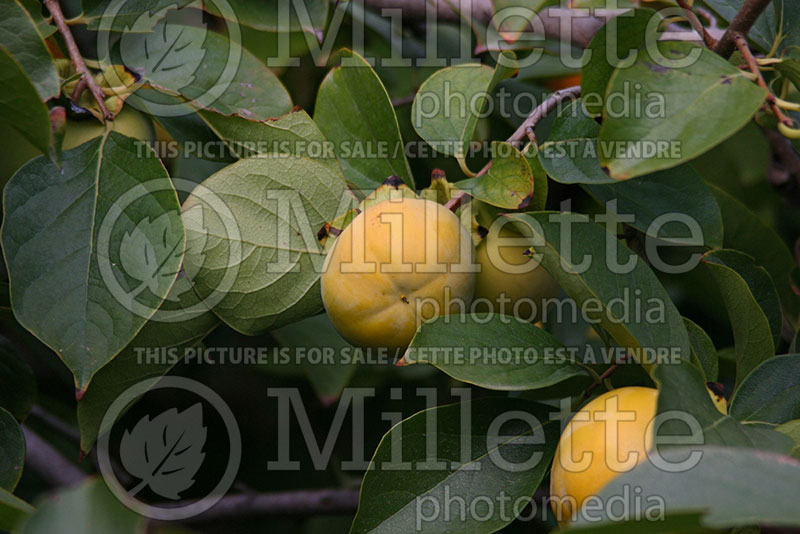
(92, 248)
(316, 337)
(469, 467)
(662, 196)
(180, 324)
(658, 328)
(732, 487)
(792, 429)
(540, 185)
(13, 510)
(20, 104)
(570, 153)
(12, 451)
(771, 393)
(353, 111)
(494, 352)
(641, 141)
(703, 350)
(753, 306)
(21, 39)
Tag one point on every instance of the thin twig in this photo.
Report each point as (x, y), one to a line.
(709, 41)
(44, 460)
(606, 374)
(76, 57)
(741, 23)
(286, 503)
(541, 111)
(79, 88)
(740, 41)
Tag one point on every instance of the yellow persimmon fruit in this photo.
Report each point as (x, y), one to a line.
(607, 437)
(129, 121)
(510, 280)
(399, 262)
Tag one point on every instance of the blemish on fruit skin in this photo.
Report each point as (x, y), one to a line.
(404, 299)
(483, 232)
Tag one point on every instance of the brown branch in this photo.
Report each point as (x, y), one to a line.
(541, 111)
(606, 374)
(740, 41)
(44, 460)
(286, 503)
(76, 57)
(709, 41)
(741, 23)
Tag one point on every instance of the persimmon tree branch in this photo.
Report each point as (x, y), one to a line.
(740, 41)
(77, 59)
(709, 41)
(741, 23)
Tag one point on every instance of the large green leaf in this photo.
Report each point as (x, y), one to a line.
(771, 393)
(86, 507)
(309, 15)
(92, 248)
(627, 33)
(753, 306)
(639, 140)
(792, 429)
(146, 356)
(566, 242)
(19, 36)
(353, 111)
(17, 383)
(251, 231)
(683, 395)
(540, 185)
(677, 195)
(12, 451)
(447, 107)
(13, 510)
(327, 359)
(745, 231)
(507, 184)
(731, 487)
(20, 104)
(442, 466)
(494, 352)
(762, 34)
(206, 68)
(571, 153)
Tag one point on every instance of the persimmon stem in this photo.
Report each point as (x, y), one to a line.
(740, 24)
(709, 41)
(605, 376)
(77, 59)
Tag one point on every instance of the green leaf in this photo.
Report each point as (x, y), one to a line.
(20, 104)
(267, 16)
(13, 510)
(21, 39)
(732, 487)
(353, 111)
(447, 106)
(659, 326)
(17, 383)
(204, 67)
(92, 248)
(744, 231)
(790, 69)
(771, 393)
(677, 191)
(627, 32)
(12, 451)
(492, 351)
(682, 392)
(708, 87)
(762, 34)
(570, 153)
(518, 17)
(752, 304)
(327, 358)
(251, 231)
(472, 467)
(125, 16)
(86, 507)
(703, 350)
(507, 184)
(189, 321)
(540, 185)
(792, 429)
